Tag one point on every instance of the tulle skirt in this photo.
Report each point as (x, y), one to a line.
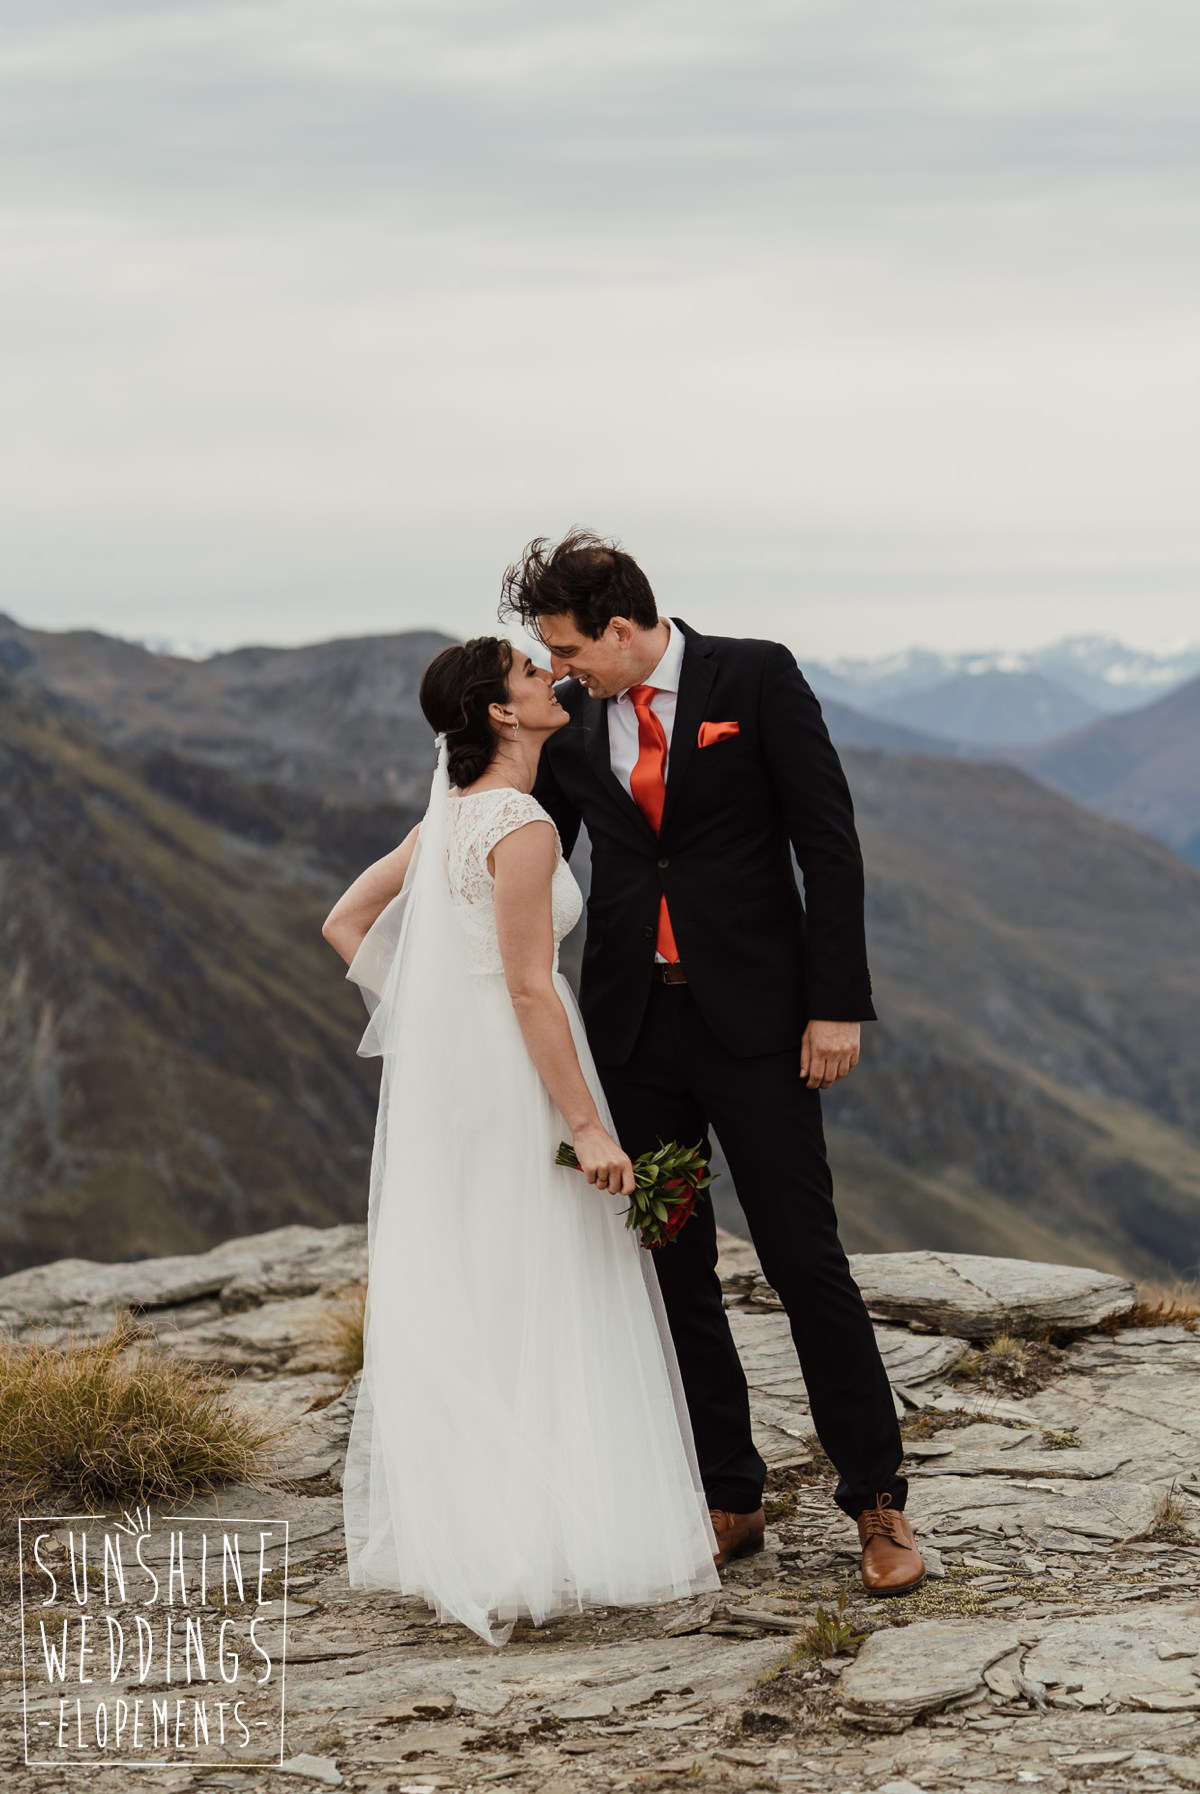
(520, 1444)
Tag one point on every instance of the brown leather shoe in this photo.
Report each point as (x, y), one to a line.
(891, 1563)
(737, 1534)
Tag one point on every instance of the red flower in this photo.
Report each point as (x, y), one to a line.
(677, 1212)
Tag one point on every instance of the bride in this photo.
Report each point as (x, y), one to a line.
(520, 1444)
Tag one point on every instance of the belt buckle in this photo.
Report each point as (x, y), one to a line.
(670, 972)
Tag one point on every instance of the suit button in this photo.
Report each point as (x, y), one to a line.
(663, 864)
(649, 933)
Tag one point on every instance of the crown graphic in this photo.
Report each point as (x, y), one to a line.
(135, 1523)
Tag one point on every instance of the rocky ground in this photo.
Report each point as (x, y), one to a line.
(1055, 1489)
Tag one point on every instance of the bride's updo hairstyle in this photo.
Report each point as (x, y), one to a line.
(456, 690)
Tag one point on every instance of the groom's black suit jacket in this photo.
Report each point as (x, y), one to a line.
(757, 965)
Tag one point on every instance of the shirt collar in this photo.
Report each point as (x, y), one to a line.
(667, 673)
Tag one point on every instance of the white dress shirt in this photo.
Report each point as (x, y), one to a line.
(623, 746)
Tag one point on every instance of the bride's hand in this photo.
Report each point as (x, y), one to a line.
(602, 1161)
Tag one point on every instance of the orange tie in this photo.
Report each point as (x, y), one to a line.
(649, 789)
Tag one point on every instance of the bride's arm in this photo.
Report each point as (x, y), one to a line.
(523, 866)
(367, 898)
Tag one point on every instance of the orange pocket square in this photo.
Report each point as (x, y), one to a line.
(711, 733)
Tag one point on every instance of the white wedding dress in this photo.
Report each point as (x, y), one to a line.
(520, 1443)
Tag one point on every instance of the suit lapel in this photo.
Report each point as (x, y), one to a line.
(597, 750)
(695, 682)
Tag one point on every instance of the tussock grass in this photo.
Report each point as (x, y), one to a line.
(343, 1332)
(1161, 1305)
(84, 1423)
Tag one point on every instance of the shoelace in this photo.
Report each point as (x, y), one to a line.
(881, 1519)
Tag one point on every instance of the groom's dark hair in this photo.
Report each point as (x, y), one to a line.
(584, 577)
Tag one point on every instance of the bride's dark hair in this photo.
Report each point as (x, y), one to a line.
(456, 690)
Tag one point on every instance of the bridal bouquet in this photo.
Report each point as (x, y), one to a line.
(668, 1184)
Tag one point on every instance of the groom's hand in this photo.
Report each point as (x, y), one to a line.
(828, 1051)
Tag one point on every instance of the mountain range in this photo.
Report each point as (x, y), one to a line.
(1107, 675)
(1142, 768)
(1136, 766)
(994, 703)
(954, 702)
(177, 1043)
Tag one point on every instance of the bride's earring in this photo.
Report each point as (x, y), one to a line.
(516, 730)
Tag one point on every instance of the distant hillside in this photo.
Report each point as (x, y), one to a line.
(849, 728)
(340, 717)
(1033, 1078)
(176, 1041)
(1142, 768)
(992, 708)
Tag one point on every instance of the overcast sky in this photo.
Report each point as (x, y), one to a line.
(861, 324)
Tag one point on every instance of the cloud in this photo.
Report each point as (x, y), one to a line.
(320, 307)
(695, 102)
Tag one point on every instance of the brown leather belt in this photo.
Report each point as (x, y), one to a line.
(669, 974)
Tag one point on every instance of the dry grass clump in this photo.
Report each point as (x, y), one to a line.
(924, 1423)
(1172, 1519)
(83, 1423)
(1010, 1363)
(1161, 1305)
(1003, 1360)
(343, 1332)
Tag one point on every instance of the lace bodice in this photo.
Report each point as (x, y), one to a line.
(476, 822)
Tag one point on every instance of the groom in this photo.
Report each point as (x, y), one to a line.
(713, 996)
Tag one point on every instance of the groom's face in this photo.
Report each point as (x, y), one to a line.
(602, 666)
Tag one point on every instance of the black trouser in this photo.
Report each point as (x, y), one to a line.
(678, 1080)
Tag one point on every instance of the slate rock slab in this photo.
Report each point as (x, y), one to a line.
(985, 1448)
(1086, 1466)
(1058, 1510)
(979, 1297)
(911, 1359)
(904, 1671)
(289, 1261)
(1152, 1416)
(1128, 1658)
(285, 1333)
(485, 1680)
